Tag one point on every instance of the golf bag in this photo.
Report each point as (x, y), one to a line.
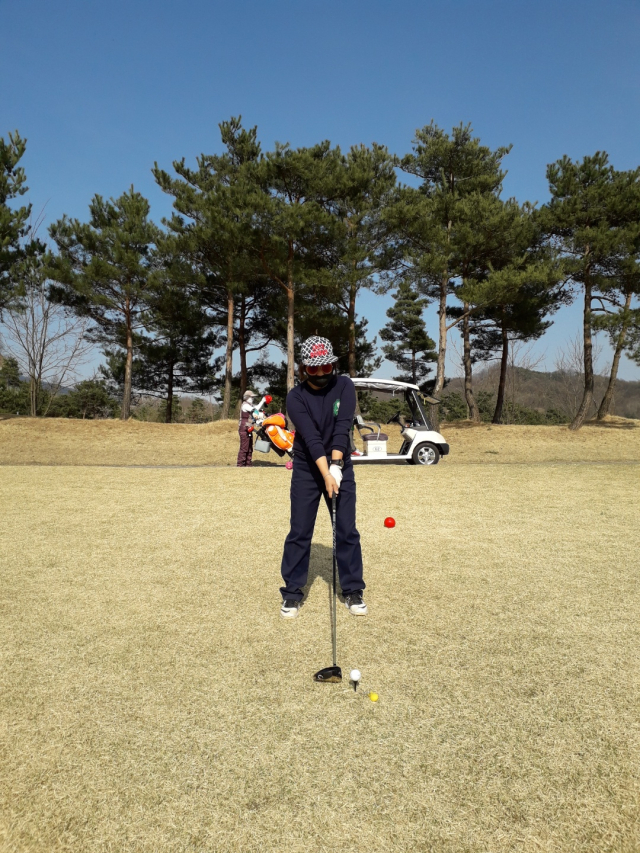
(271, 432)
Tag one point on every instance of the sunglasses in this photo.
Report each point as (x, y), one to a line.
(318, 369)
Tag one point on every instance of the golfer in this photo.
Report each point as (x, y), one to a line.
(245, 454)
(322, 407)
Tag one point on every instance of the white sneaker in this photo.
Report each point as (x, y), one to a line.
(290, 608)
(355, 604)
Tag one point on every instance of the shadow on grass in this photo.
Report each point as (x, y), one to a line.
(466, 425)
(612, 424)
(321, 569)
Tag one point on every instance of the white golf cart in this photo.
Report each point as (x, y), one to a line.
(421, 445)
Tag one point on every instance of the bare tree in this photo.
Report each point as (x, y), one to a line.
(457, 355)
(521, 358)
(569, 365)
(48, 343)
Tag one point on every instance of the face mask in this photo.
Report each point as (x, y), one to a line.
(320, 381)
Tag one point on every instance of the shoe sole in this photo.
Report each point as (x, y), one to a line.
(290, 614)
(361, 612)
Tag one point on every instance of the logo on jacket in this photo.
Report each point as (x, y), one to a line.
(336, 407)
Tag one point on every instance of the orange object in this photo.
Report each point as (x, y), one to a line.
(275, 420)
(282, 438)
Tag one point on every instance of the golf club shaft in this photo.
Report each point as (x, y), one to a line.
(333, 518)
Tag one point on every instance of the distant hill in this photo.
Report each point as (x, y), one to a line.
(559, 390)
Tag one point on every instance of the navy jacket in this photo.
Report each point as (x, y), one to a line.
(323, 418)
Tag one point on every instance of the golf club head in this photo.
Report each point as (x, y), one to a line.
(329, 673)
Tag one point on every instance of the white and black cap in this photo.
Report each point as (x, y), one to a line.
(316, 351)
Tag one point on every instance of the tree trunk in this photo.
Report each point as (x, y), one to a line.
(33, 396)
(504, 363)
(413, 367)
(37, 348)
(128, 365)
(242, 346)
(290, 322)
(587, 396)
(352, 331)
(442, 348)
(228, 365)
(605, 405)
(474, 412)
(169, 413)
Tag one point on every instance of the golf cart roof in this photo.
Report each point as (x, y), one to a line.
(383, 384)
(389, 385)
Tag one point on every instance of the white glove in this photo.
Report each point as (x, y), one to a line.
(336, 473)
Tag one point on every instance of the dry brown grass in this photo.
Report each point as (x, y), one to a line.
(153, 700)
(60, 441)
(55, 441)
(614, 440)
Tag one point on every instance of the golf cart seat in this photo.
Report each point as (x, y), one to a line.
(360, 424)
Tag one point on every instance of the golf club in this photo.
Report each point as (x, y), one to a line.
(332, 673)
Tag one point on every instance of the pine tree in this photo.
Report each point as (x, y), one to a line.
(510, 283)
(13, 221)
(295, 225)
(360, 252)
(410, 348)
(89, 399)
(218, 200)
(474, 241)
(451, 169)
(632, 343)
(197, 413)
(14, 393)
(176, 351)
(316, 317)
(260, 310)
(586, 219)
(103, 271)
(615, 310)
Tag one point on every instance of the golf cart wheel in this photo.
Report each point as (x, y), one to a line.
(426, 454)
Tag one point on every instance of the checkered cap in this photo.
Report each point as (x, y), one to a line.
(317, 350)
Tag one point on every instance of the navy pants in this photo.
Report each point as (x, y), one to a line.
(307, 487)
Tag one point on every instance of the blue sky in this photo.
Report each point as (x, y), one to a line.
(102, 90)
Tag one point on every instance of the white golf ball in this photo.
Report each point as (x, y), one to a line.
(355, 675)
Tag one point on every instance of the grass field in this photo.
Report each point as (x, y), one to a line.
(151, 699)
(58, 441)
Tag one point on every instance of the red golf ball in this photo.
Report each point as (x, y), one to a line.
(389, 522)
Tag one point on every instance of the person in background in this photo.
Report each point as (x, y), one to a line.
(245, 453)
(322, 407)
